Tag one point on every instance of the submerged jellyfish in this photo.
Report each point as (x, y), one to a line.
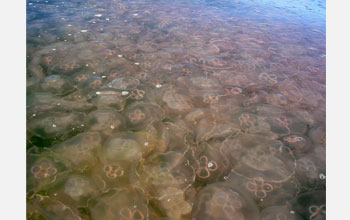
(44, 172)
(209, 165)
(120, 204)
(310, 173)
(140, 114)
(310, 205)
(177, 102)
(253, 155)
(279, 212)
(204, 82)
(44, 207)
(109, 98)
(124, 83)
(79, 151)
(55, 125)
(162, 170)
(57, 84)
(105, 120)
(221, 201)
(79, 188)
(298, 144)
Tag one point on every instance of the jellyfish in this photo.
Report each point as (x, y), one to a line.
(204, 82)
(44, 172)
(318, 134)
(120, 204)
(310, 205)
(57, 84)
(299, 144)
(310, 173)
(163, 170)
(79, 188)
(251, 155)
(55, 125)
(78, 152)
(222, 201)
(105, 120)
(140, 114)
(110, 98)
(279, 212)
(124, 83)
(209, 166)
(177, 102)
(44, 207)
(265, 193)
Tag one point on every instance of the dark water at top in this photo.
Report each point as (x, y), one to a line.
(176, 110)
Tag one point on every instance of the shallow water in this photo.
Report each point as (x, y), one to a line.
(176, 109)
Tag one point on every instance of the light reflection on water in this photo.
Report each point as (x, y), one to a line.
(176, 109)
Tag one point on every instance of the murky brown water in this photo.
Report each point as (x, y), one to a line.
(176, 110)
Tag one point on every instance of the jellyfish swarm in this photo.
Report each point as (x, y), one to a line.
(120, 204)
(79, 151)
(109, 98)
(253, 155)
(222, 201)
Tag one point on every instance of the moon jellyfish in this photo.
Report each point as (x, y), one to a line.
(120, 204)
(253, 155)
(264, 192)
(105, 120)
(172, 200)
(140, 114)
(279, 213)
(155, 137)
(204, 82)
(109, 98)
(57, 84)
(44, 172)
(44, 207)
(309, 173)
(222, 201)
(55, 125)
(162, 170)
(121, 147)
(177, 102)
(209, 165)
(298, 144)
(124, 83)
(77, 190)
(79, 151)
(213, 127)
(311, 205)
(318, 135)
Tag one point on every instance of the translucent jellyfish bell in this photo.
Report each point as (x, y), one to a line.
(278, 212)
(109, 98)
(221, 201)
(105, 120)
(309, 173)
(140, 114)
(252, 155)
(120, 204)
(79, 151)
(204, 82)
(44, 172)
(44, 207)
(124, 83)
(310, 205)
(177, 102)
(122, 146)
(163, 170)
(55, 125)
(57, 84)
(299, 144)
(209, 165)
